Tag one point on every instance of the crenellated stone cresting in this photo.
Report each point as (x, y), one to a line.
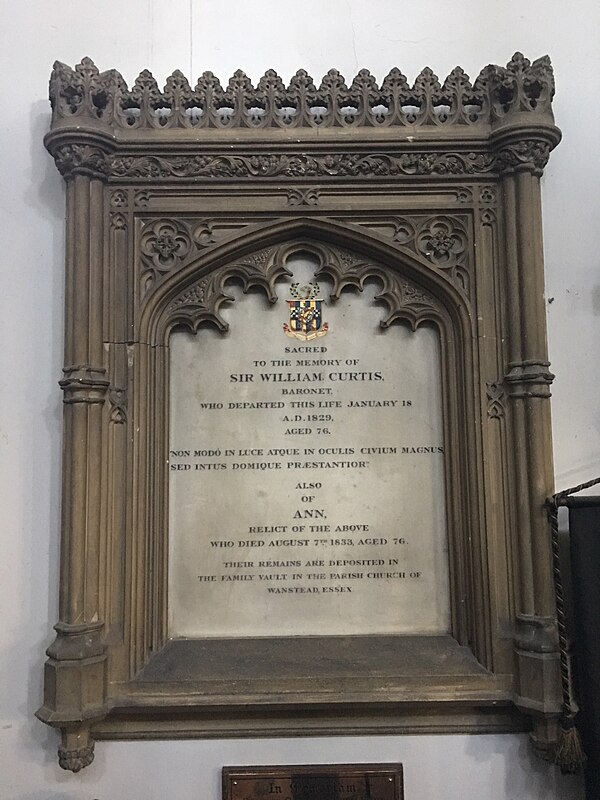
(498, 93)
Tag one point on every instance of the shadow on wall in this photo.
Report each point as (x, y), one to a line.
(535, 779)
(45, 194)
(596, 301)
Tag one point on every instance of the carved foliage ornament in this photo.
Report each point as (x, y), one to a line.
(93, 161)
(84, 98)
(82, 159)
(167, 208)
(86, 92)
(528, 154)
(300, 165)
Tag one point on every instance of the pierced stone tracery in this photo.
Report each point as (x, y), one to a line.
(433, 190)
(85, 91)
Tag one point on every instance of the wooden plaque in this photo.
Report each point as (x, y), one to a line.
(306, 407)
(314, 782)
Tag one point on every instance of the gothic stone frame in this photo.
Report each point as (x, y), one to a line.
(433, 190)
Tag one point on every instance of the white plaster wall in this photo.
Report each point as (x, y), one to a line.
(195, 35)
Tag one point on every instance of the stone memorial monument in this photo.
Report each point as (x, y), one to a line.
(307, 432)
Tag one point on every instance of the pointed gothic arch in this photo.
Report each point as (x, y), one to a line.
(288, 235)
(170, 196)
(193, 296)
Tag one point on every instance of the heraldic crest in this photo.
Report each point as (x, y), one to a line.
(306, 321)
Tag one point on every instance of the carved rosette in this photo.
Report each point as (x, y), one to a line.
(442, 241)
(487, 195)
(166, 244)
(445, 244)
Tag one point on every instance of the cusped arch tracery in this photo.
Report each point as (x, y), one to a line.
(163, 217)
(410, 290)
(201, 302)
